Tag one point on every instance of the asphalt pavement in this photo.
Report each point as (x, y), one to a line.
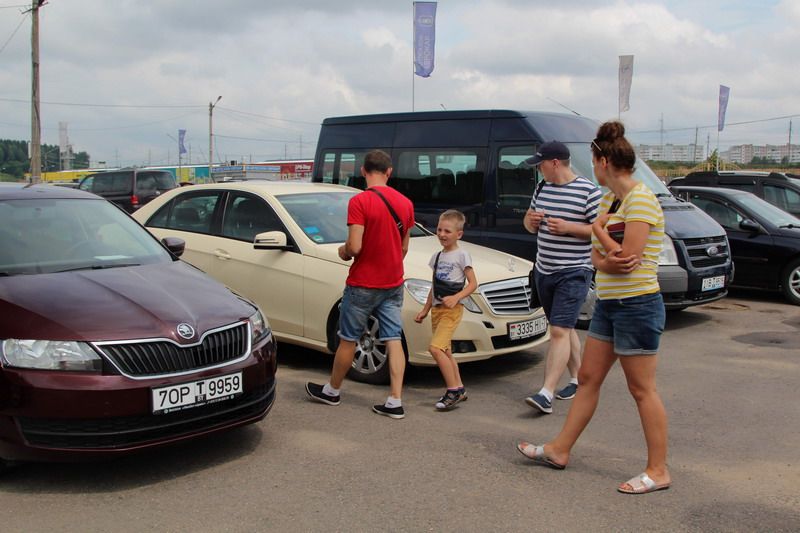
(728, 374)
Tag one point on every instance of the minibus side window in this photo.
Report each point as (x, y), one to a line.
(344, 168)
(439, 175)
(516, 180)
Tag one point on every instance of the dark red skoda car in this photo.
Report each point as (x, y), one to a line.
(108, 342)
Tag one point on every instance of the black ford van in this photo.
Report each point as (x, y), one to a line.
(474, 161)
(129, 188)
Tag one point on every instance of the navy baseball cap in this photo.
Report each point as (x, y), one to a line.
(548, 151)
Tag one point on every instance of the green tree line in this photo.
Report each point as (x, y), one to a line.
(14, 160)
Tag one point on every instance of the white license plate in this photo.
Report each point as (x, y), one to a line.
(528, 328)
(717, 282)
(196, 393)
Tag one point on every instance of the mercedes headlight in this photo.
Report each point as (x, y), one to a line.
(51, 355)
(667, 256)
(259, 328)
(419, 289)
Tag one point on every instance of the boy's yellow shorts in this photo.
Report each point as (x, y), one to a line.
(445, 321)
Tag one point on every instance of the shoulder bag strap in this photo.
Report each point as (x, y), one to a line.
(396, 218)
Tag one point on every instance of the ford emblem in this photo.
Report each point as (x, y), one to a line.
(185, 330)
(712, 251)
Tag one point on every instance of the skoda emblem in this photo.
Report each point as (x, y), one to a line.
(712, 251)
(185, 330)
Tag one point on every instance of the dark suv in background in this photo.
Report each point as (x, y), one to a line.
(129, 188)
(781, 190)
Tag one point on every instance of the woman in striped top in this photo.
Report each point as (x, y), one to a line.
(629, 315)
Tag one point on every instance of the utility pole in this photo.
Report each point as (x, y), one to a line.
(211, 135)
(694, 148)
(36, 120)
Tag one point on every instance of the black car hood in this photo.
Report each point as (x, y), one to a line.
(684, 220)
(119, 303)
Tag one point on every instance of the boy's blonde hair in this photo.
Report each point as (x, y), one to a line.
(456, 216)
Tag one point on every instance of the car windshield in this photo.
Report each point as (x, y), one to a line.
(581, 163)
(41, 236)
(768, 211)
(323, 215)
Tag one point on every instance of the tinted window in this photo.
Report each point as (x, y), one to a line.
(113, 183)
(247, 216)
(344, 168)
(726, 216)
(155, 181)
(786, 199)
(439, 175)
(516, 181)
(189, 212)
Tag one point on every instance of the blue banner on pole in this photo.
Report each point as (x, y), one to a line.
(724, 93)
(181, 137)
(424, 37)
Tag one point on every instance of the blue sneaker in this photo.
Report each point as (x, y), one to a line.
(568, 392)
(540, 402)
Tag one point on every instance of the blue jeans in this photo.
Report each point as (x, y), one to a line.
(562, 294)
(358, 303)
(633, 325)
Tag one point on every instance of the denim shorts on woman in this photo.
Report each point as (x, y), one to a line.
(633, 325)
(358, 303)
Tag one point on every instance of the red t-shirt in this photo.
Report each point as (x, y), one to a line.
(380, 263)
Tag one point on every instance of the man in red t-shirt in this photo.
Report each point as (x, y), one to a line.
(379, 221)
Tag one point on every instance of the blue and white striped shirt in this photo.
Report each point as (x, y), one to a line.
(576, 201)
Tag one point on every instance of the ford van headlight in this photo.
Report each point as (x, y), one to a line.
(419, 289)
(51, 355)
(259, 328)
(667, 256)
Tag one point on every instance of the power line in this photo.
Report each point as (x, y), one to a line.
(134, 106)
(14, 32)
(270, 118)
(259, 140)
(715, 125)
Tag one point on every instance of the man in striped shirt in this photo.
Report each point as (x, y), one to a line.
(561, 214)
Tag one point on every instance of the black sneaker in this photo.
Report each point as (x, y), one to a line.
(463, 392)
(315, 391)
(449, 400)
(391, 412)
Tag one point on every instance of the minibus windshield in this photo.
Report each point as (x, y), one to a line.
(581, 163)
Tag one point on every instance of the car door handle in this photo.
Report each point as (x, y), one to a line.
(222, 254)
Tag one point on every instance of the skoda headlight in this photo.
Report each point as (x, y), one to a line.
(419, 289)
(259, 328)
(51, 355)
(667, 256)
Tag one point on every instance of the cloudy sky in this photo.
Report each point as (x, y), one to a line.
(125, 75)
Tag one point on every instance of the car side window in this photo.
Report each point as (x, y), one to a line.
(726, 216)
(86, 184)
(188, 212)
(782, 197)
(247, 216)
(439, 175)
(516, 181)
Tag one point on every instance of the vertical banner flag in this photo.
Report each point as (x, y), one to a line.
(181, 137)
(625, 80)
(424, 37)
(724, 93)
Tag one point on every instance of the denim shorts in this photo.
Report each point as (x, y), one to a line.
(562, 294)
(633, 325)
(358, 303)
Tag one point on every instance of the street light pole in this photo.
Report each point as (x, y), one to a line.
(211, 135)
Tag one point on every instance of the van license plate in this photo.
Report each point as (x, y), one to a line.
(196, 393)
(528, 328)
(710, 284)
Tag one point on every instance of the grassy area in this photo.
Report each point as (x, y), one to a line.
(7, 177)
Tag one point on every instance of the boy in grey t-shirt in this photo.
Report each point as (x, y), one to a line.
(452, 267)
